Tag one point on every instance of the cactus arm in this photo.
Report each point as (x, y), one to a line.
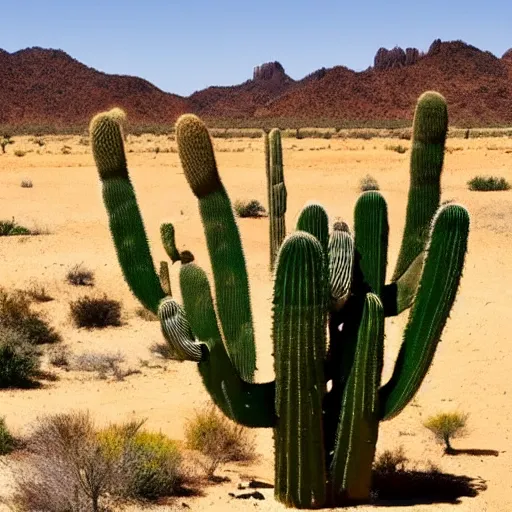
(299, 342)
(371, 238)
(341, 262)
(356, 437)
(223, 241)
(276, 192)
(427, 155)
(313, 219)
(249, 404)
(168, 241)
(165, 280)
(434, 299)
(125, 221)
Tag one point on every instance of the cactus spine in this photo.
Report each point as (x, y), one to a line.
(324, 439)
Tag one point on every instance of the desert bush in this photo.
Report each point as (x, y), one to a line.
(20, 153)
(102, 363)
(218, 439)
(368, 183)
(19, 360)
(65, 150)
(15, 312)
(398, 148)
(7, 441)
(60, 356)
(252, 208)
(447, 426)
(488, 184)
(78, 275)
(38, 293)
(391, 461)
(146, 315)
(164, 350)
(73, 466)
(26, 184)
(11, 228)
(96, 312)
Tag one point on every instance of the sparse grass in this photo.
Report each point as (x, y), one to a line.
(73, 466)
(101, 363)
(398, 148)
(368, 183)
(488, 184)
(252, 208)
(78, 275)
(96, 312)
(218, 439)
(7, 441)
(447, 426)
(16, 313)
(26, 184)
(38, 293)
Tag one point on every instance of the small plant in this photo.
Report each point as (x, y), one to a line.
(7, 441)
(391, 461)
(398, 148)
(488, 184)
(368, 183)
(20, 153)
(80, 276)
(11, 228)
(218, 439)
(39, 141)
(447, 426)
(5, 141)
(19, 360)
(103, 364)
(27, 184)
(38, 293)
(96, 312)
(252, 208)
(15, 312)
(65, 150)
(146, 315)
(60, 356)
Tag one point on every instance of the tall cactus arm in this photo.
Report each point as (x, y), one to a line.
(356, 437)
(436, 293)
(125, 220)
(276, 192)
(313, 219)
(371, 238)
(299, 341)
(427, 155)
(223, 240)
(165, 279)
(169, 242)
(249, 404)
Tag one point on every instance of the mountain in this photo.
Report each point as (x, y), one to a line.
(47, 87)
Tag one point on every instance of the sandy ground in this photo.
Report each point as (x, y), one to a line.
(472, 367)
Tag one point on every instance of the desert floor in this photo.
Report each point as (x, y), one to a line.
(472, 368)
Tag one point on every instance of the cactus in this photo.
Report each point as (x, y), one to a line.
(327, 401)
(276, 192)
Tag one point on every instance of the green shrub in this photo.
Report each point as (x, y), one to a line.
(10, 228)
(19, 360)
(488, 184)
(252, 208)
(7, 441)
(218, 439)
(447, 426)
(368, 183)
(15, 312)
(96, 312)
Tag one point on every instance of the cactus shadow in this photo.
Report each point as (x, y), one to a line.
(412, 487)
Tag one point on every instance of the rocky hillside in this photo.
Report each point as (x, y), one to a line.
(48, 87)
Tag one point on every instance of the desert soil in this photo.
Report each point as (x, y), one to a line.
(472, 368)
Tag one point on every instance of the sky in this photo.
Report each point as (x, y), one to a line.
(184, 46)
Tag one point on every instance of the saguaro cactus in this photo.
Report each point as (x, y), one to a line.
(326, 402)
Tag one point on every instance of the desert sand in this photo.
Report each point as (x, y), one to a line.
(472, 367)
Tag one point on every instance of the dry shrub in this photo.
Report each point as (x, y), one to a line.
(102, 363)
(218, 439)
(368, 183)
(252, 208)
(7, 441)
(38, 293)
(391, 461)
(447, 426)
(96, 312)
(488, 184)
(73, 466)
(146, 315)
(15, 312)
(80, 276)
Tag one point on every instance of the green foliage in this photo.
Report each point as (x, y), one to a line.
(488, 184)
(7, 441)
(11, 228)
(252, 208)
(326, 402)
(95, 312)
(447, 426)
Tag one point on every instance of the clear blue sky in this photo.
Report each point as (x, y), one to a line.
(183, 46)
